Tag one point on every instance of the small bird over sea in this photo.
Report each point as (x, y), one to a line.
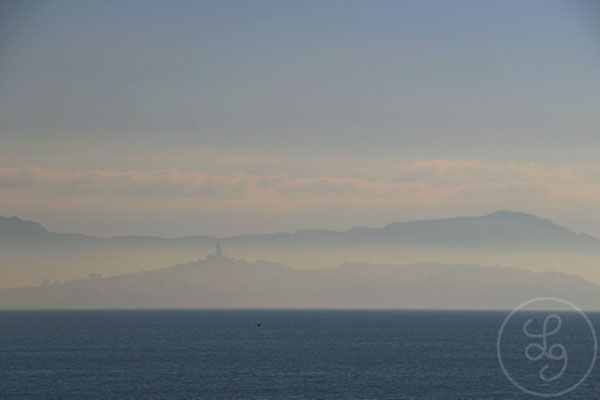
(259, 324)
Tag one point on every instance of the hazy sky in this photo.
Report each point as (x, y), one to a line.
(233, 117)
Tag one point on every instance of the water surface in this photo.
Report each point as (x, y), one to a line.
(301, 354)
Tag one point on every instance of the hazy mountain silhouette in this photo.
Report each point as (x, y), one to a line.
(501, 228)
(226, 282)
(14, 228)
(29, 252)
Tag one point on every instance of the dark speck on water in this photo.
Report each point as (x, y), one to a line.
(298, 354)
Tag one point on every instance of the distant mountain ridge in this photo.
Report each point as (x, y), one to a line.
(29, 252)
(16, 227)
(498, 228)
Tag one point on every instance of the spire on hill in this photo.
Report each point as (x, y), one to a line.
(218, 255)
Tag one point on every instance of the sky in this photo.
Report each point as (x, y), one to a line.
(231, 117)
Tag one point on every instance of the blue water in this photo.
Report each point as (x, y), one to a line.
(294, 355)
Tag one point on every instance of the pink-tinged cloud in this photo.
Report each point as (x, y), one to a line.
(440, 182)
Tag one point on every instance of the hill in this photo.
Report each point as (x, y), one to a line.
(29, 252)
(223, 282)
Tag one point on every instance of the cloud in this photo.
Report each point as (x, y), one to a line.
(332, 193)
(417, 183)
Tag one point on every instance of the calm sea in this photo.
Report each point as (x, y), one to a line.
(294, 355)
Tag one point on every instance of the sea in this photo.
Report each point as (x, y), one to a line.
(295, 354)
